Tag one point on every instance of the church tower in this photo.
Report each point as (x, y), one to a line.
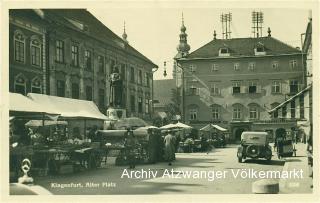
(182, 48)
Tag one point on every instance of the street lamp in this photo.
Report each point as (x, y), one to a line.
(183, 90)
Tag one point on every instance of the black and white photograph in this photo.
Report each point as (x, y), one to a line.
(159, 98)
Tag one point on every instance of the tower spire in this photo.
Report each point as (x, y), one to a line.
(124, 35)
(183, 47)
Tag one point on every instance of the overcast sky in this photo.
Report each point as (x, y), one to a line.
(154, 31)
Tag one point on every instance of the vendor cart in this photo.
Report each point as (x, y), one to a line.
(285, 144)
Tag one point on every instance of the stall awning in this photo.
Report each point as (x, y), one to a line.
(37, 123)
(20, 105)
(212, 126)
(67, 107)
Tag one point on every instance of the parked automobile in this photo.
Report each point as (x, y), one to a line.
(254, 145)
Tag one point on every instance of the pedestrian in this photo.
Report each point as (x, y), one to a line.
(152, 145)
(131, 145)
(169, 143)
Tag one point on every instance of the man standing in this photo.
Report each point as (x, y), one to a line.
(169, 147)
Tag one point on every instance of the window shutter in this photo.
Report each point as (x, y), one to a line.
(258, 88)
(242, 89)
(231, 90)
(285, 87)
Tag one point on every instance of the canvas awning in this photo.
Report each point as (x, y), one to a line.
(67, 107)
(209, 127)
(37, 123)
(176, 125)
(20, 105)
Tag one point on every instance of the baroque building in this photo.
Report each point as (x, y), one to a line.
(235, 82)
(70, 53)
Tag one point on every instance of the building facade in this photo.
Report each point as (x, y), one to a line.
(77, 55)
(299, 106)
(235, 82)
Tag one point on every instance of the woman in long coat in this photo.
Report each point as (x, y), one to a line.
(169, 147)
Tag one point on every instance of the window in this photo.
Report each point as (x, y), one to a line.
(215, 112)
(139, 77)
(236, 66)
(35, 52)
(139, 104)
(102, 99)
(193, 90)
(301, 102)
(193, 114)
(294, 86)
(284, 111)
(215, 89)
(252, 66)
(146, 79)
(293, 109)
(147, 105)
(60, 51)
(193, 68)
(236, 112)
(275, 113)
(236, 87)
(293, 64)
(89, 93)
(224, 51)
(20, 85)
(101, 64)
(214, 67)
(36, 86)
(75, 91)
(87, 59)
(252, 87)
(60, 88)
(19, 47)
(133, 103)
(253, 112)
(276, 86)
(132, 74)
(75, 55)
(275, 65)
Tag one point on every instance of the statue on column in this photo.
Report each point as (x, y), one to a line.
(115, 99)
(115, 110)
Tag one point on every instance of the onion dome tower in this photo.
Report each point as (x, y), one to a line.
(183, 47)
(124, 35)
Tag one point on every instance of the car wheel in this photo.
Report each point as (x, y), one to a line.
(240, 159)
(253, 151)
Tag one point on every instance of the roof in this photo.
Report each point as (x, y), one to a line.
(162, 91)
(241, 47)
(81, 18)
(23, 104)
(290, 99)
(67, 107)
(212, 126)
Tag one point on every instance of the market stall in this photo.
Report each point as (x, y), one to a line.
(215, 134)
(61, 150)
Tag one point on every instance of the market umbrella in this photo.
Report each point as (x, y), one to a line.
(132, 122)
(147, 127)
(210, 127)
(176, 125)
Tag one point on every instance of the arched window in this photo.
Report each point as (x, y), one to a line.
(253, 111)
(216, 111)
(35, 51)
(20, 84)
(193, 112)
(36, 85)
(19, 47)
(237, 111)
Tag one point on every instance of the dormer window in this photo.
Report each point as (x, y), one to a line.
(224, 51)
(259, 49)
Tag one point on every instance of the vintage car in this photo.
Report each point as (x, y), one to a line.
(254, 145)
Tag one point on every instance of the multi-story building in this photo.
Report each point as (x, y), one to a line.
(73, 54)
(299, 106)
(234, 82)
